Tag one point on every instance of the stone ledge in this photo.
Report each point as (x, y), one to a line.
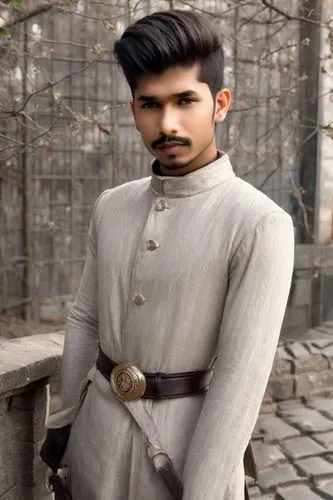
(26, 366)
(28, 359)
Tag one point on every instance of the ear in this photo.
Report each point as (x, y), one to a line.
(222, 104)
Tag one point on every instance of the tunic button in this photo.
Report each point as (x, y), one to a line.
(139, 299)
(151, 245)
(162, 205)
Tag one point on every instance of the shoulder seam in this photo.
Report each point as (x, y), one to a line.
(257, 226)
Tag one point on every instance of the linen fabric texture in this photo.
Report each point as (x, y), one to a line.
(179, 270)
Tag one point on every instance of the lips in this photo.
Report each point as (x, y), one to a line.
(172, 147)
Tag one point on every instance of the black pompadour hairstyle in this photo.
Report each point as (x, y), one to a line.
(171, 38)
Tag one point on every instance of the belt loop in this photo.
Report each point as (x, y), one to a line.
(157, 381)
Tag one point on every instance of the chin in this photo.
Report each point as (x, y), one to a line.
(172, 162)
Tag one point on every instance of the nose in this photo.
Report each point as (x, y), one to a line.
(169, 122)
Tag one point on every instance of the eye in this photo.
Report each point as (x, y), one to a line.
(150, 105)
(185, 101)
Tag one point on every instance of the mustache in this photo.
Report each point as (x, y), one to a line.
(170, 138)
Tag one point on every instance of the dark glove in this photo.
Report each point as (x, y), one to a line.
(54, 446)
(51, 453)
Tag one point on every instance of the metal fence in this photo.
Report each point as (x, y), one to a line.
(66, 132)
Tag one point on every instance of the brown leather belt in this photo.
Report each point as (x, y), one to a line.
(157, 385)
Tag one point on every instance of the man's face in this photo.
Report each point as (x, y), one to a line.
(175, 115)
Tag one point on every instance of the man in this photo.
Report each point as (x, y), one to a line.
(188, 265)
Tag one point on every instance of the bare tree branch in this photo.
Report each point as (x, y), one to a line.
(271, 173)
(289, 17)
(29, 15)
(10, 139)
(27, 144)
(6, 114)
(298, 192)
(97, 18)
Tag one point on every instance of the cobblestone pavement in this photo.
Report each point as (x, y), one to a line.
(294, 450)
(293, 439)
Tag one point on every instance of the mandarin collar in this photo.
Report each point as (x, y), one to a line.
(200, 180)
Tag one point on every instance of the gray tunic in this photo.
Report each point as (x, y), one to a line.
(215, 284)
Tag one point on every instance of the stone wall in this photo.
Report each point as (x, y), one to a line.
(310, 302)
(302, 369)
(26, 366)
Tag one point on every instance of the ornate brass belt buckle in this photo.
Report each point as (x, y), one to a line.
(128, 382)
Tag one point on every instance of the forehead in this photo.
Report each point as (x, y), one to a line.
(173, 80)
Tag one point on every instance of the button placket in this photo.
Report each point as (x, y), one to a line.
(160, 206)
(152, 226)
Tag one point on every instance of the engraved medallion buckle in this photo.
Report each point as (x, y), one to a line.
(128, 382)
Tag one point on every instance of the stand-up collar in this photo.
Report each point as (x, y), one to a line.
(203, 179)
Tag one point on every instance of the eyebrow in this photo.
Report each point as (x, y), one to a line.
(186, 93)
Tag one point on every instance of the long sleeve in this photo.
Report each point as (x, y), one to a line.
(259, 282)
(81, 340)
